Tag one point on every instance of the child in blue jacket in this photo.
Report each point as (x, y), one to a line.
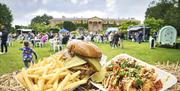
(27, 54)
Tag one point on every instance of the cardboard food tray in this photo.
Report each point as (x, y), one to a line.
(167, 79)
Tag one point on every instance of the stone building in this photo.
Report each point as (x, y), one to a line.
(95, 24)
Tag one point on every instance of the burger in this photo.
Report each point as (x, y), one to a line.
(84, 57)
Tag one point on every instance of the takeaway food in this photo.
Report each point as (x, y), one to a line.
(63, 71)
(9, 83)
(85, 57)
(126, 74)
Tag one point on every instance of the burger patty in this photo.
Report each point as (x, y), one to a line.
(86, 69)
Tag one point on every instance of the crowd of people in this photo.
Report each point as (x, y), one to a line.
(114, 38)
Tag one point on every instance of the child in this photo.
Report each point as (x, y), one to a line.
(27, 54)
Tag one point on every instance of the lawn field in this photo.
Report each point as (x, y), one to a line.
(143, 52)
(12, 61)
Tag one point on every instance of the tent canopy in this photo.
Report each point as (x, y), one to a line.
(26, 30)
(135, 28)
(112, 29)
(63, 30)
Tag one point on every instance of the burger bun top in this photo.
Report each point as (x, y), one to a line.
(85, 49)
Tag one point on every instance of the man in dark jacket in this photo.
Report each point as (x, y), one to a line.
(140, 36)
(116, 39)
(65, 38)
(4, 38)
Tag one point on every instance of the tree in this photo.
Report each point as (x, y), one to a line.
(17, 27)
(84, 25)
(154, 24)
(5, 16)
(173, 16)
(12, 30)
(41, 23)
(167, 10)
(159, 9)
(42, 19)
(40, 27)
(21, 27)
(70, 26)
(125, 24)
(58, 25)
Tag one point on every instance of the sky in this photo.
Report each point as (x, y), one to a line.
(24, 10)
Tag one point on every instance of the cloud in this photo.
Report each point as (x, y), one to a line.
(35, 1)
(74, 1)
(23, 11)
(81, 2)
(45, 2)
(56, 14)
(111, 4)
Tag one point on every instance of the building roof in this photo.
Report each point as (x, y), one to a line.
(70, 19)
(26, 30)
(134, 28)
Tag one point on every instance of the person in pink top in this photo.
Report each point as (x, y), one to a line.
(44, 38)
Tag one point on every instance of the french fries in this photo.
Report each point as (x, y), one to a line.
(27, 80)
(74, 85)
(50, 75)
(63, 83)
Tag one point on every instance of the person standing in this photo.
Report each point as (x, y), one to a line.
(116, 39)
(140, 35)
(4, 38)
(121, 39)
(155, 35)
(65, 38)
(110, 38)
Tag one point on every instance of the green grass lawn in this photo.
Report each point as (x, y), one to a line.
(13, 61)
(143, 52)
